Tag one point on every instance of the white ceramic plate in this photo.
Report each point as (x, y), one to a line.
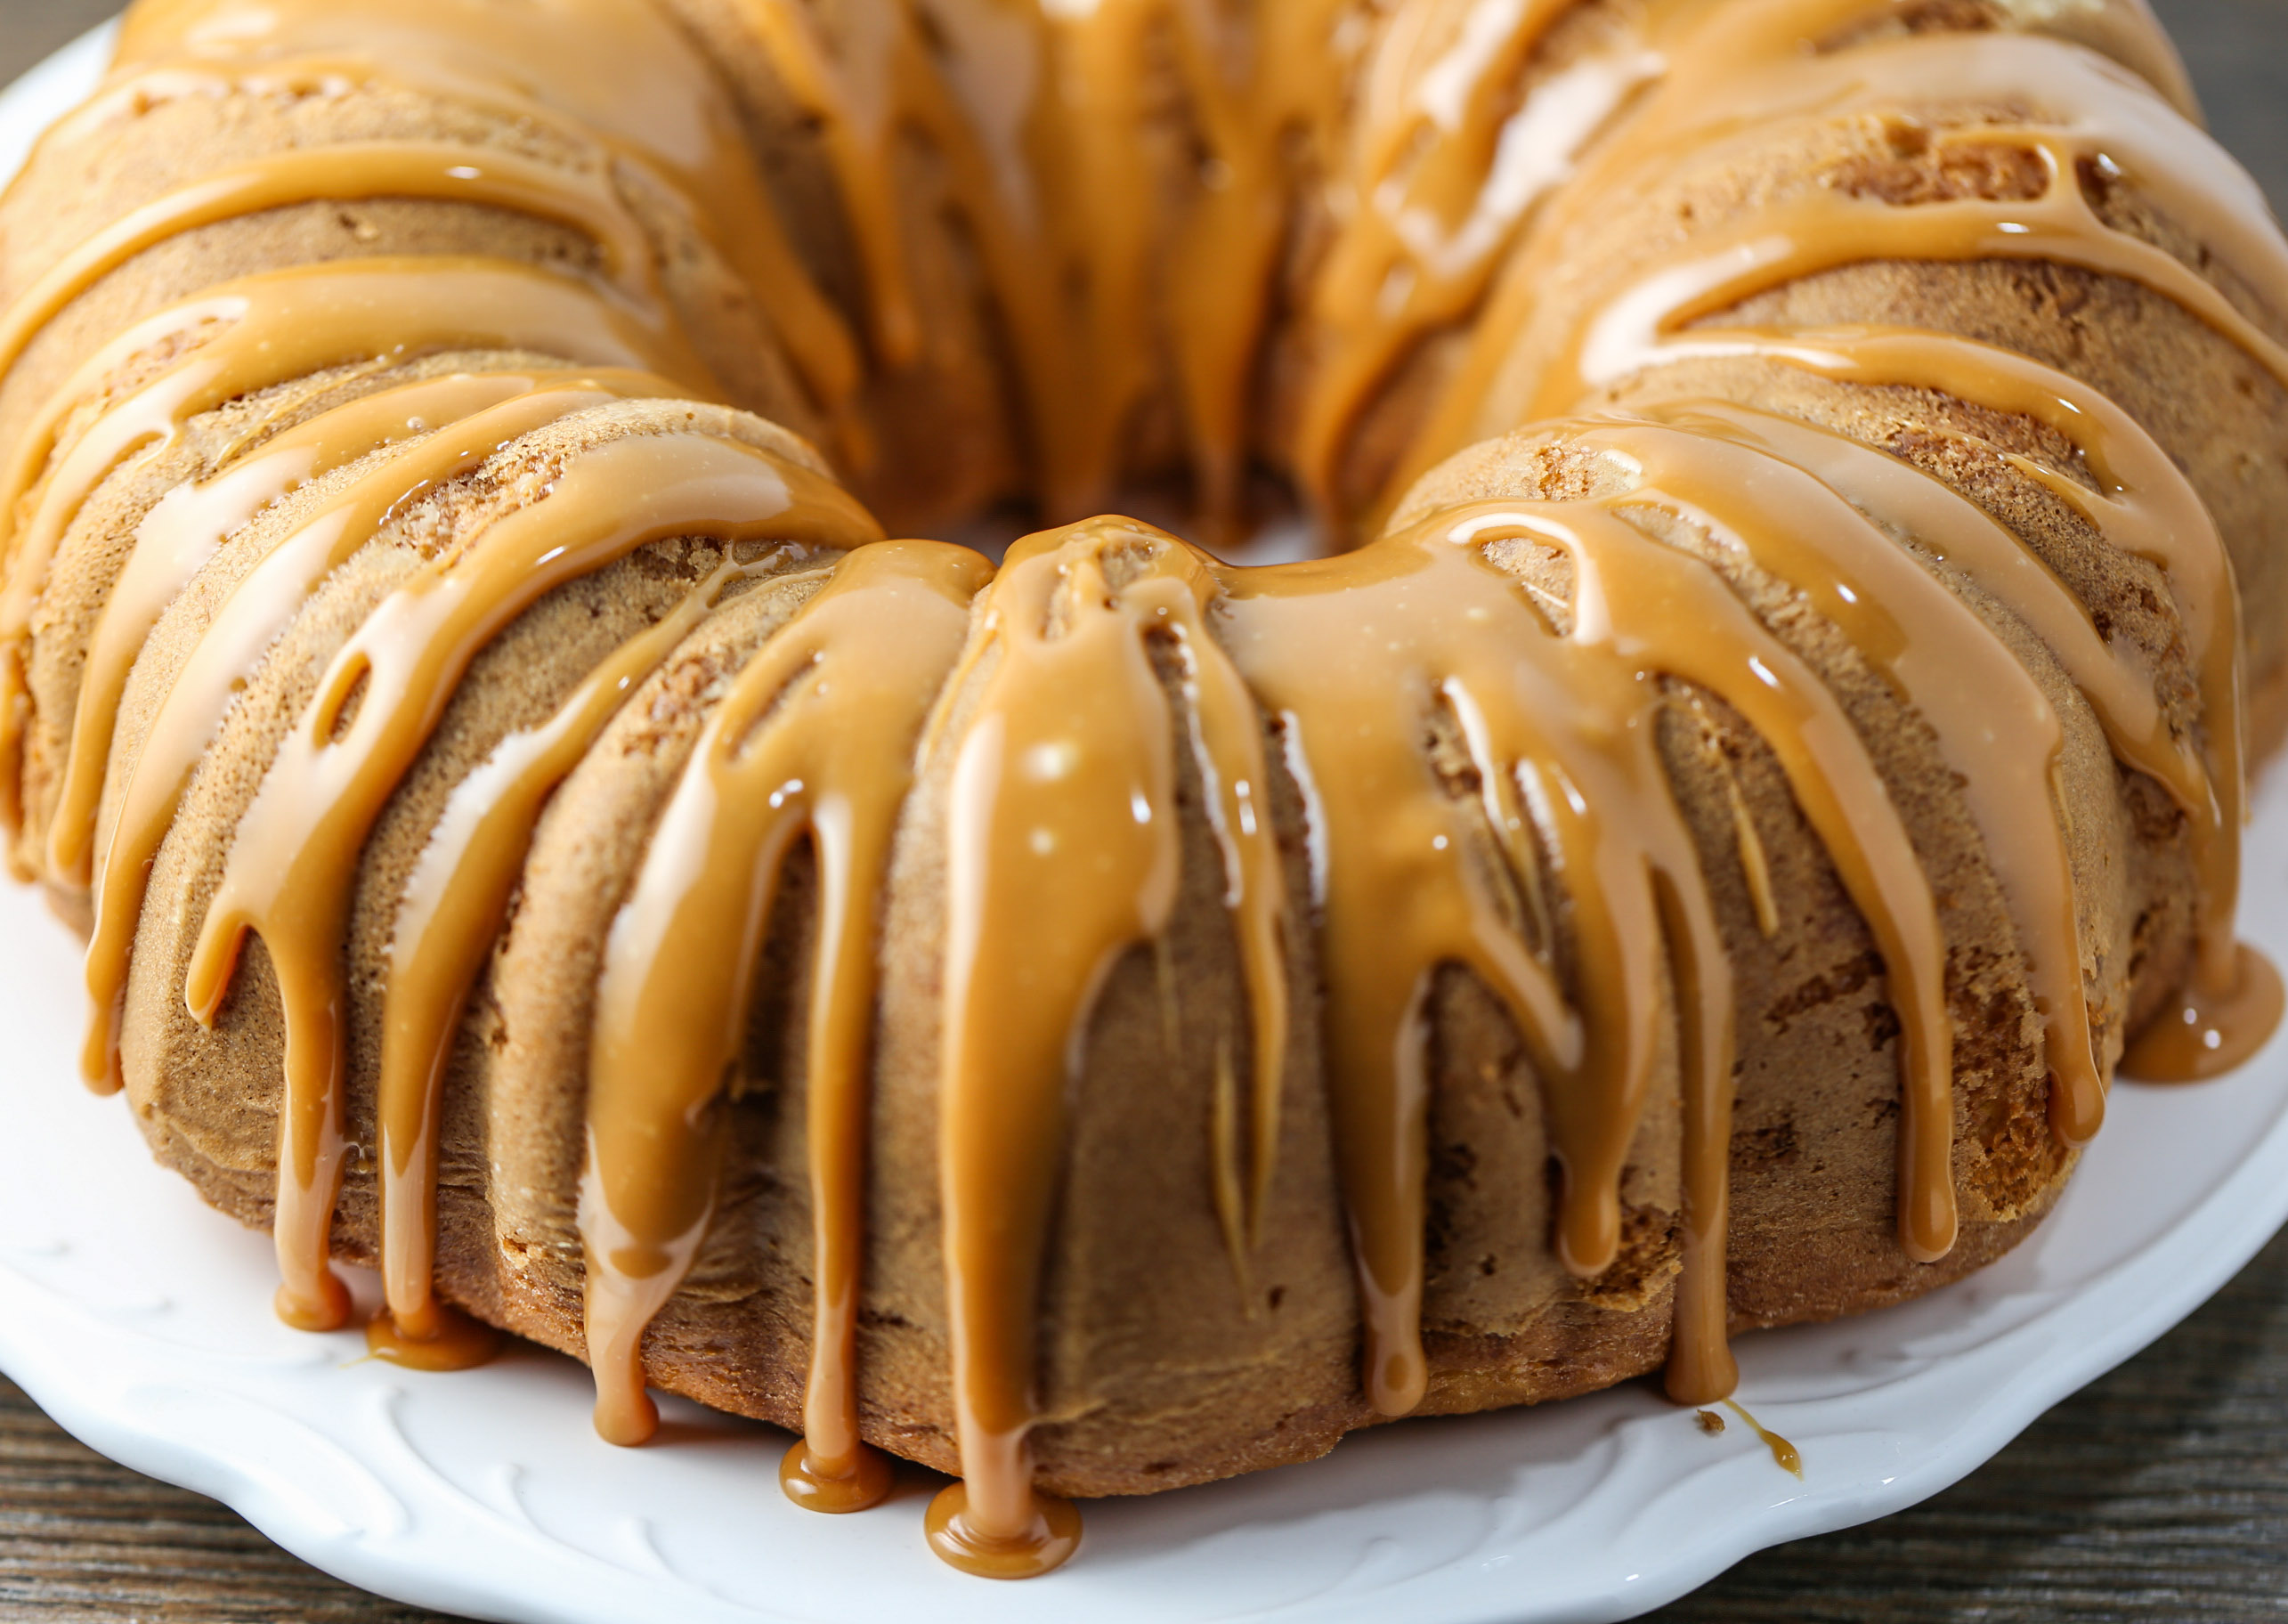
(140, 1319)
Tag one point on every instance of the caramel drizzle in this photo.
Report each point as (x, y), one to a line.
(852, 98)
(1049, 163)
(1353, 655)
(1222, 257)
(1038, 120)
(293, 863)
(817, 739)
(1996, 730)
(2144, 506)
(1743, 80)
(451, 913)
(2116, 682)
(1446, 167)
(2148, 508)
(184, 528)
(1402, 898)
(256, 611)
(265, 330)
(1442, 174)
(613, 71)
(1824, 229)
(1064, 855)
(355, 170)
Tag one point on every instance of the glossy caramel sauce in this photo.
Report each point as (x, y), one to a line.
(450, 1340)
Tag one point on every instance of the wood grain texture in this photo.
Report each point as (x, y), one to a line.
(2159, 1492)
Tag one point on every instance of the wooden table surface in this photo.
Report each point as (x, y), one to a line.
(2159, 1492)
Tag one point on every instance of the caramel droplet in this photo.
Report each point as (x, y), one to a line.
(328, 1311)
(2203, 1035)
(1784, 1454)
(450, 1340)
(817, 1484)
(625, 1418)
(1048, 1544)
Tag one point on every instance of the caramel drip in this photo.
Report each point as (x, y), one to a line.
(617, 71)
(1700, 1365)
(2088, 108)
(2143, 505)
(1448, 166)
(454, 904)
(1755, 862)
(292, 869)
(1784, 1455)
(854, 98)
(455, 1342)
(1063, 855)
(1100, 169)
(1400, 897)
(1661, 610)
(1040, 118)
(1043, 121)
(265, 330)
(257, 610)
(969, 82)
(1223, 256)
(1445, 169)
(2111, 122)
(2115, 681)
(2208, 1029)
(1677, 615)
(183, 530)
(817, 739)
(1354, 656)
(1996, 730)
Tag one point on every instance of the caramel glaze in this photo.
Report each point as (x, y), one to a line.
(292, 865)
(2142, 506)
(264, 330)
(257, 610)
(1449, 168)
(1093, 256)
(1740, 71)
(453, 906)
(1058, 692)
(1064, 855)
(815, 740)
(181, 533)
(612, 71)
(2104, 118)
(1540, 709)
(1352, 656)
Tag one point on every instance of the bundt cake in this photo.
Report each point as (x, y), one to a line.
(1114, 1018)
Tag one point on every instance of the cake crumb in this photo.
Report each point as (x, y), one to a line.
(1711, 1421)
